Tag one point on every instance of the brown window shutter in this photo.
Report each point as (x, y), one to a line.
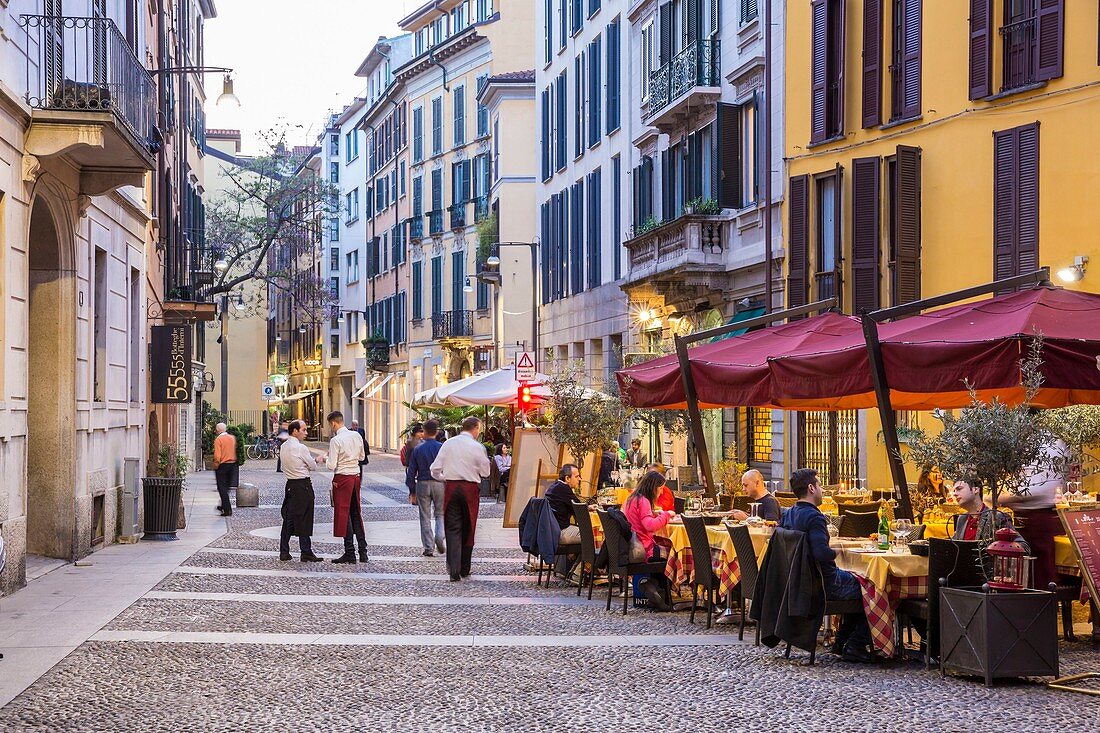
(866, 185)
(1004, 204)
(981, 48)
(872, 63)
(798, 241)
(908, 215)
(910, 59)
(1051, 33)
(1027, 198)
(730, 195)
(818, 79)
(840, 29)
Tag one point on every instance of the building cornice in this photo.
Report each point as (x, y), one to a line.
(441, 52)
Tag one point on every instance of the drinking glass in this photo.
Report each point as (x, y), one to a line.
(754, 512)
(902, 529)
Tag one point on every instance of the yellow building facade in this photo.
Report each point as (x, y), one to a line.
(931, 146)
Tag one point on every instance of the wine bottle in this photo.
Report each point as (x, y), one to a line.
(883, 528)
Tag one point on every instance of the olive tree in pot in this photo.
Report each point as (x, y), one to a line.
(583, 421)
(994, 633)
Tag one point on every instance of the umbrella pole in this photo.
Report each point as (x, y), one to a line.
(695, 420)
(886, 415)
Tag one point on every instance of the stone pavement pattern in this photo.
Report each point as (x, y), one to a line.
(234, 640)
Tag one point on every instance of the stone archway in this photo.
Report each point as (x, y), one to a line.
(51, 383)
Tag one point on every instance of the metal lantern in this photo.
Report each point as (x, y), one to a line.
(1010, 561)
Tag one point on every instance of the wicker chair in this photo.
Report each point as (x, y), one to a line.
(704, 571)
(750, 571)
(858, 524)
(587, 560)
(786, 502)
(613, 540)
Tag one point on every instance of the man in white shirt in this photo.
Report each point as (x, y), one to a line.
(345, 450)
(298, 501)
(461, 464)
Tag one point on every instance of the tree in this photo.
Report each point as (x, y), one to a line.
(581, 420)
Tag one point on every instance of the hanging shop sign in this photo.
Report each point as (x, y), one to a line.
(170, 364)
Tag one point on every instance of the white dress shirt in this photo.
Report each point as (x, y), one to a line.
(297, 460)
(462, 458)
(345, 450)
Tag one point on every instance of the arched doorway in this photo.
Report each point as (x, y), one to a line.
(51, 385)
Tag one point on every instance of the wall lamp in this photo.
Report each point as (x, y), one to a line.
(1074, 272)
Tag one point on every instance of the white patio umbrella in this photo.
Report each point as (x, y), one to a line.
(496, 389)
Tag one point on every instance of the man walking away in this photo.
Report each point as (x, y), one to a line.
(345, 450)
(366, 447)
(424, 491)
(299, 499)
(225, 463)
(461, 464)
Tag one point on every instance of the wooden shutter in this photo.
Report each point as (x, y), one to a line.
(798, 241)
(865, 234)
(981, 49)
(665, 46)
(818, 77)
(1004, 204)
(730, 192)
(1050, 31)
(693, 26)
(872, 63)
(1027, 198)
(910, 58)
(907, 204)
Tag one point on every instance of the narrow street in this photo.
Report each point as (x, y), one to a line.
(234, 640)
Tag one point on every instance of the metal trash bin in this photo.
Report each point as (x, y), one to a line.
(162, 498)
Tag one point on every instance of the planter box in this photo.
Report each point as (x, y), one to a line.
(1003, 634)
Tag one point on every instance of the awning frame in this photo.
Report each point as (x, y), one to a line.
(377, 387)
(369, 382)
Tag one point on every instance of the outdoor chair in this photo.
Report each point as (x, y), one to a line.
(786, 502)
(1067, 591)
(858, 524)
(836, 521)
(750, 571)
(741, 503)
(704, 570)
(588, 547)
(613, 540)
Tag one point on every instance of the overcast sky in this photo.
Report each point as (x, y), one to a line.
(293, 61)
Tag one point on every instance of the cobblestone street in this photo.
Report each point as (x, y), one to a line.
(235, 640)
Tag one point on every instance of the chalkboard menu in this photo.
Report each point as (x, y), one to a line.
(1083, 528)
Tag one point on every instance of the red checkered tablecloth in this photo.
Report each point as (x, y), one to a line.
(680, 569)
(879, 605)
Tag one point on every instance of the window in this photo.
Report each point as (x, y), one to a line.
(1015, 201)
(458, 280)
(418, 290)
(460, 16)
(418, 134)
(595, 97)
(334, 145)
(545, 138)
(437, 125)
(496, 149)
(401, 179)
(903, 173)
(136, 334)
(905, 69)
(351, 145)
(872, 63)
(828, 222)
(482, 110)
(351, 199)
(616, 214)
(866, 204)
(798, 236)
(749, 11)
(485, 9)
(647, 58)
(577, 8)
(548, 30)
(353, 266)
(334, 288)
(828, 442)
(563, 23)
(562, 111)
(1032, 35)
(578, 105)
(437, 285)
(613, 79)
(334, 259)
(827, 70)
(595, 243)
(576, 238)
(759, 430)
(460, 116)
(421, 41)
(417, 208)
(334, 346)
(642, 183)
(334, 172)
(739, 138)
(334, 229)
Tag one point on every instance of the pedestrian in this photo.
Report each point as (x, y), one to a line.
(299, 499)
(225, 465)
(416, 437)
(425, 492)
(280, 437)
(345, 450)
(461, 464)
(366, 447)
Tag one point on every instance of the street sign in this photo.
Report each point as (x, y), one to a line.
(525, 366)
(267, 391)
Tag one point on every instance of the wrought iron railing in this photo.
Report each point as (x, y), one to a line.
(416, 228)
(435, 221)
(452, 324)
(86, 64)
(481, 208)
(458, 215)
(189, 267)
(826, 284)
(697, 64)
(1019, 53)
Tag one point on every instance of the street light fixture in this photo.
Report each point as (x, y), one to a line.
(227, 96)
(221, 266)
(492, 261)
(302, 328)
(1074, 272)
(468, 286)
(240, 301)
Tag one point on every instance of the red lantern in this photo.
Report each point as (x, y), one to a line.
(1010, 562)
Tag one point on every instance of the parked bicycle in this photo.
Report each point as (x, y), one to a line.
(265, 446)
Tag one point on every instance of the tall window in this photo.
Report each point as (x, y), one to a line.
(418, 290)
(545, 139)
(906, 67)
(1015, 201)
(904, 224)
(595, 224)
(827, 70)
(595, 89)
(136, 335)
(562, 111)
(647, 51)
(460, 116)
(828, 235)
(353, 266)
(482, 110)
(437, 285)
(437, 125)
(548, 30)
(749, 12)
(579, 88)
(458, 280)
(614, 64)
(418, 134)
(617, 214)
(334, 172)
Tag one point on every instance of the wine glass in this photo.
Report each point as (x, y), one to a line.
(754, 512)
(902, 529)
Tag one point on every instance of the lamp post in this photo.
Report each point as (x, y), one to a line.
(493, 277)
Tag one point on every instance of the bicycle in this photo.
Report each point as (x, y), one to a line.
(262, 448)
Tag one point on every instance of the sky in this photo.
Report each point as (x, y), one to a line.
(293, 61)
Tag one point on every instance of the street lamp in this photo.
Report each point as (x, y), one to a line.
(1074, 272)
(468, 286)
(493, 262)
(227, 96)
(221, 266)
(240, 301)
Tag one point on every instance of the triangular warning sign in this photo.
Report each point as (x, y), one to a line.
(525, 361)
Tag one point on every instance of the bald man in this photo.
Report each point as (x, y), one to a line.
(225, 466)
(752, 484)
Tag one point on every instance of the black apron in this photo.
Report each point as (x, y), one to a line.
(297, 508)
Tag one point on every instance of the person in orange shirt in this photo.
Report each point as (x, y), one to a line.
(225, 466)
(665, 499)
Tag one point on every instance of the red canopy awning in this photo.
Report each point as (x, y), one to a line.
(821, 362)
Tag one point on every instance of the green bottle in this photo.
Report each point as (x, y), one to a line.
(883, 528)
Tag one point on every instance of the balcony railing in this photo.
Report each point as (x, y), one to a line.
(826, 285)
(85, 64)
(189, 268)
(416, 228)
(1020, 55)
(690, 243)
(452, 325)
(481, 208)
(697, 65)
(458, 215)
(435, 221)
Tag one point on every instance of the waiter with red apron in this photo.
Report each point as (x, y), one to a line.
(345, 451)
(461, 464)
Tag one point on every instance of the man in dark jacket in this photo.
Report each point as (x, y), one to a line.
(561, 494)
(854, 636)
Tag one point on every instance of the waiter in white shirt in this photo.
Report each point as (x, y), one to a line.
(298, 501)
(461, 464)
(345, 450)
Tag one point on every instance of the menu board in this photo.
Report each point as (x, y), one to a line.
(1083, 528)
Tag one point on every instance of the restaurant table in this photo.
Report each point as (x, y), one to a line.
(680, 569)
(885, 579)
(1064, 558)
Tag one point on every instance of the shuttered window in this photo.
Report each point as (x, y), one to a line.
(579, 85)
(1050, 31)
(906, 66)
(866, 186)
(664, 49)
(577, 7)
(437, 284)
(460, 116)
(981, 49)
(595, 96)
(616, 214)
(548, 30)
(437, 126)
(544, 224)
(904, 182)
(1015, 201)
(827, 231)
(576, 238)
(827, 70)
(872, 63)
(613, 77)
(418, 290)
(749, 10)
(730, 193)
(561, 108)
(545, 139)
(595, 263)
(458, 280)
(798, 241)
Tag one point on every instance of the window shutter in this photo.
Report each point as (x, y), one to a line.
(1048, 49)
(908, 218)
(865, 234)
(693, 25)
(798, 241)
(910, 59)
(467, 178)
(665, 47)
(981, 48)
(872, 63)
(730, 193)
(1027, 198)
(818, 78)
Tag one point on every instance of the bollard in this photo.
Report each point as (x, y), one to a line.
(248, 496)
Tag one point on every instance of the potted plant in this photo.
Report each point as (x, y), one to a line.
(984, 632)
(583, 421)
(377, 350)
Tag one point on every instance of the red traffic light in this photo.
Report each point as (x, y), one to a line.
(524, 396)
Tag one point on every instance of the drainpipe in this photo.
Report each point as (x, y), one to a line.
(768, 305)
(432, 59)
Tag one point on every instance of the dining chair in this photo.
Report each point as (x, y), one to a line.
(701, 561)
(858, 524)
(587, 560)
(613, 540)
(750, 572)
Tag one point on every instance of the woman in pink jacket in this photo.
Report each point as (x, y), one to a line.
(639, 512)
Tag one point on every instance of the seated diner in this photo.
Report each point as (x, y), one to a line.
(645, 520)
(561, 494)
(752, 483)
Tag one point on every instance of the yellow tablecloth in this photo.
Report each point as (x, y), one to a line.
(717, 535)
(1063, 550)
(878, 567)
(621, 495)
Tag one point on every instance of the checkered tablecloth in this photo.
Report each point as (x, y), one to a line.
(879, 605)
(680, 569)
